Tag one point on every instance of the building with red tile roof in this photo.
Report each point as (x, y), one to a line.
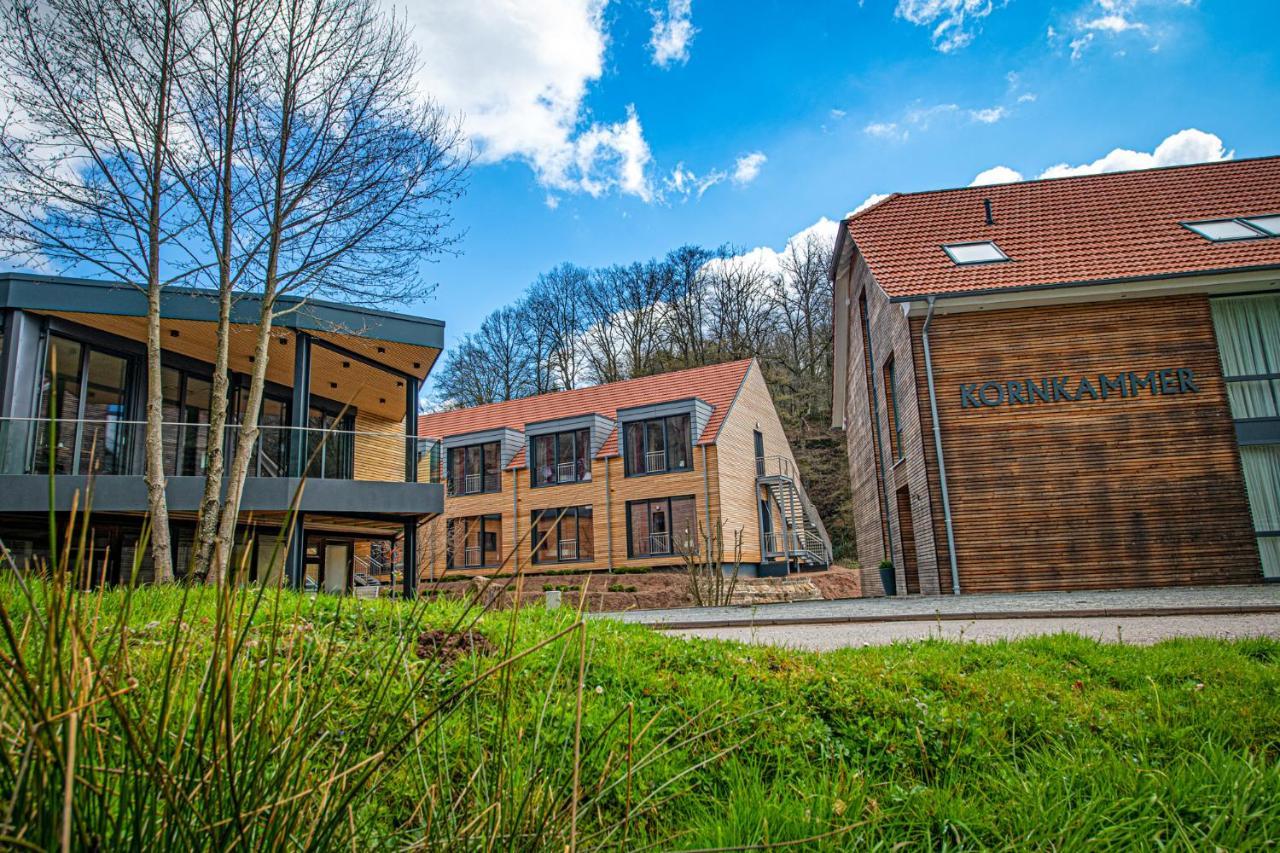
(1065, 383)
(628, 474)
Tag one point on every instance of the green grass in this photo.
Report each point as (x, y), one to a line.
(208, 721)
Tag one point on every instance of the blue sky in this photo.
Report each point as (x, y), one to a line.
(583, 111)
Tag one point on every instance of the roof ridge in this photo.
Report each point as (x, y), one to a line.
(486, 408)
(1091, 175)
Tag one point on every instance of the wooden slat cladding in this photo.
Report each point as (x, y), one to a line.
(1141, 490)
(891, 335)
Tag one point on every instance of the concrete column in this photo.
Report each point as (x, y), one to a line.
(410, 558)
(300, 407)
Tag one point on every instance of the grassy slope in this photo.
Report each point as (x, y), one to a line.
(1058, 741)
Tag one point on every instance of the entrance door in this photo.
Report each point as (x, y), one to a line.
(337, 567)
(907, 541)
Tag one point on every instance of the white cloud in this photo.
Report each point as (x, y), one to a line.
(1150, 21)
(769, 260)
(684, 183)
(874, 198)
(953, 22)
(1181, 148)
(518, 73)
(671, 34)
(885, 130)
(990, 115)
(837, 114)
(1178, 149)
(747, 167)
(996, 175)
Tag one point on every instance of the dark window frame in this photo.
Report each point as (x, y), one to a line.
(88, 344)
(485, 482)
(485, 519)
(584, 476)
(896, 450)
(577, 513)
(671, 549)
(643, 425)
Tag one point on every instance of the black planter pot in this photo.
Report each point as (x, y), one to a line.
(889, 580)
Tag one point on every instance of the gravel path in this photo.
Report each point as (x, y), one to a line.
(1140, 630)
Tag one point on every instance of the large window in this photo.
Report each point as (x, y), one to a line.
(86, 396)
(657, 445)
(1248, 332)
(185, 403)
(662, 527)
(475, 469)
(564, 457)
(562, 535)
(474, 542)
(330, 444)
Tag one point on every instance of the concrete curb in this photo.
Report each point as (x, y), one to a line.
(972, 616)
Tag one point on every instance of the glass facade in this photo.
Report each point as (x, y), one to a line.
(1248, 332)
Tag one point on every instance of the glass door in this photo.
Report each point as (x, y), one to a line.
(1248, 332)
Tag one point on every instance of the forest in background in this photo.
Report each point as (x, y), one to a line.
(576, 326)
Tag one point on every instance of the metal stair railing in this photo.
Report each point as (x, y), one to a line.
(805, 527)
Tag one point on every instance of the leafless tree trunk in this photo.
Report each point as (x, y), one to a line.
(349, 177)
(84, 160)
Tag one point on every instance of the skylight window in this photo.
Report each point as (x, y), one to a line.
(985, 252)
(1269, 224)
(1219, 230)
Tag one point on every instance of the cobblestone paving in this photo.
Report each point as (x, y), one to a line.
(907, 608)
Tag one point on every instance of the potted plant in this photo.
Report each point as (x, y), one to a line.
(888, 579)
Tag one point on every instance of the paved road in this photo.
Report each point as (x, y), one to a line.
(1141, 630)
(1047, 605)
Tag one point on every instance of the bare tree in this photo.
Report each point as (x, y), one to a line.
(737, 295)
(558, 297)
(537, 329)
(801, 346)
(687, 309)
(222, 44)
(464, 379)
(85, 148)
(602, 325)
(348, 179)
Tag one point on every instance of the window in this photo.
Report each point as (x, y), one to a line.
(562, 535)
(563, 457)
(86, 397)
(474, 542)
(1269, 224)
(475, 469)
(895, 425)
(185, 400)
(331, 445)
(662, 527)
(975, 253)
(657, 445)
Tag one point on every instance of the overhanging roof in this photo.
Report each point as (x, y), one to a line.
(57, 293)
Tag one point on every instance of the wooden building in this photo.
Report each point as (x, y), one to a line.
(1065, 384)
(341, 383)
(630, 473)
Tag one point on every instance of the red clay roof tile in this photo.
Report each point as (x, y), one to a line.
(717, 384)
(1094, 228)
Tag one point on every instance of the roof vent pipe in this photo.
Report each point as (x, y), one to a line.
(986, 206)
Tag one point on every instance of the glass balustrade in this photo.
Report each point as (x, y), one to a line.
(114, 447)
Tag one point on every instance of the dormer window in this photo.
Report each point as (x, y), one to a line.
(657, 445)
(475, 469)
(562, 457)
(964, 254)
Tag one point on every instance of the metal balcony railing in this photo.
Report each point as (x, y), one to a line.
(471, 558)
(659, 543)
(566, 472)
(655, 460)
(567, 549)
(109, 446)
